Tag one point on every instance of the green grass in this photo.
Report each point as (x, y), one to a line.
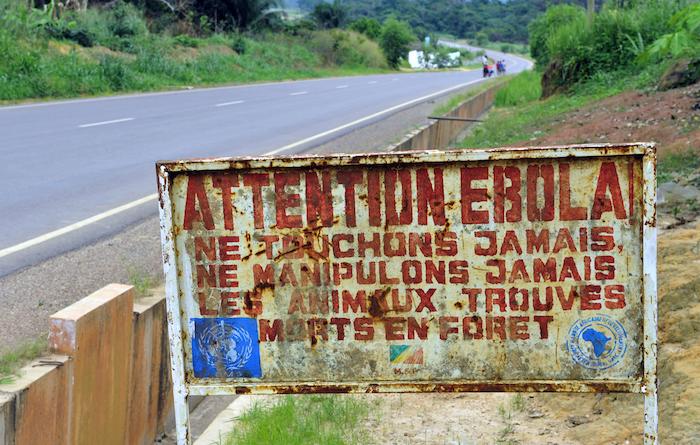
(457, 99)
(41, 71)
(517, 405)
(677, 165)
(142, 282)
(521, 89)
(11, 361)
(529, 117)
(306, 419)
(96, 53)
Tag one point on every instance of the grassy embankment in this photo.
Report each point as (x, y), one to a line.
(298, 420)
(110, 51)
(457, 99)
(519, 115)
(625, 103)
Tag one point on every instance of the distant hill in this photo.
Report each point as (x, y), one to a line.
(501, 20)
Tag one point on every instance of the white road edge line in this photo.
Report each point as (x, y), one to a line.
(224, 104)
(372, 116)
(372, 81)
(93, 219)
(298, 93)
(115, 121)
(341, 86)
(75, 226)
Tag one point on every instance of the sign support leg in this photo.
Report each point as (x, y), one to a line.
(651, 415)
(172, 291)
(182, 416)
(650, 382)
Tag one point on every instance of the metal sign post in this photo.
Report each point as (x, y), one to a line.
(513, 269)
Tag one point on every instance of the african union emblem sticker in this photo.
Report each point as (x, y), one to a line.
(225, 347)
(597, 342)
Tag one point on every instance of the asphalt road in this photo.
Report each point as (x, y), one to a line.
(76, 171)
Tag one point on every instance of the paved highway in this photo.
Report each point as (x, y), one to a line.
(75, 171)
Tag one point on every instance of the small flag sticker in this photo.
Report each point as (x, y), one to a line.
(406, 354)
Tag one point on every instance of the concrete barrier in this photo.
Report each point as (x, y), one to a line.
(107, 380)
(440, 134)
(150, 393)
(96, 334)
(35, 407)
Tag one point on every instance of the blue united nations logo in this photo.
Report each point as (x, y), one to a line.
(597, 342)
(225, 347)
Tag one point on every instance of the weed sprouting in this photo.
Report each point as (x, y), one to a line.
(11, 361)
(296, 420)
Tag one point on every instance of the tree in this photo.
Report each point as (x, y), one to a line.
(394, 40)
(481, 38)
(239, 14)
(330, 15)
(546, 25)
(367, 26)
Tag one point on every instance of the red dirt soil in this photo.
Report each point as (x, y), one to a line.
(670, 118)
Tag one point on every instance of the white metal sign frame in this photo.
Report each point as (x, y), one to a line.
(183, 389)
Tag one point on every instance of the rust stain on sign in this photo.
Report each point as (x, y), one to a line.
(510, 269)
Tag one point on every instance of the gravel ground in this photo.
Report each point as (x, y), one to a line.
(31, 295)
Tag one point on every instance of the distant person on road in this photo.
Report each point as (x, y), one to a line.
(501, 67)
(485, 63)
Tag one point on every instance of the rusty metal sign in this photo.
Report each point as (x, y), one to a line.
(528, 269)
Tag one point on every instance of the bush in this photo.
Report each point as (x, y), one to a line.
(574, 49)
(32, 66)
(549, 23)
(394, 40)
(481, 38)
(238, 44)
(300, 27)
(125, 20)
(367, 26)
(684, 41)
(330, 15)
(63, 30)
(346, 48)
(115, 71)
(20, 20)
(467, 55)
(187, 40)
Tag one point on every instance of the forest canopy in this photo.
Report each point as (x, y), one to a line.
(501, 21)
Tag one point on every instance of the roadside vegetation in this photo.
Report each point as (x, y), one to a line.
(304, 419)
(12, 361)
(515, 406)
(629, 72)
(581, 59)
(458, 99)
(499, 21)
(570, 45)
(61, 51)
(520, 115)
(143, 283)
